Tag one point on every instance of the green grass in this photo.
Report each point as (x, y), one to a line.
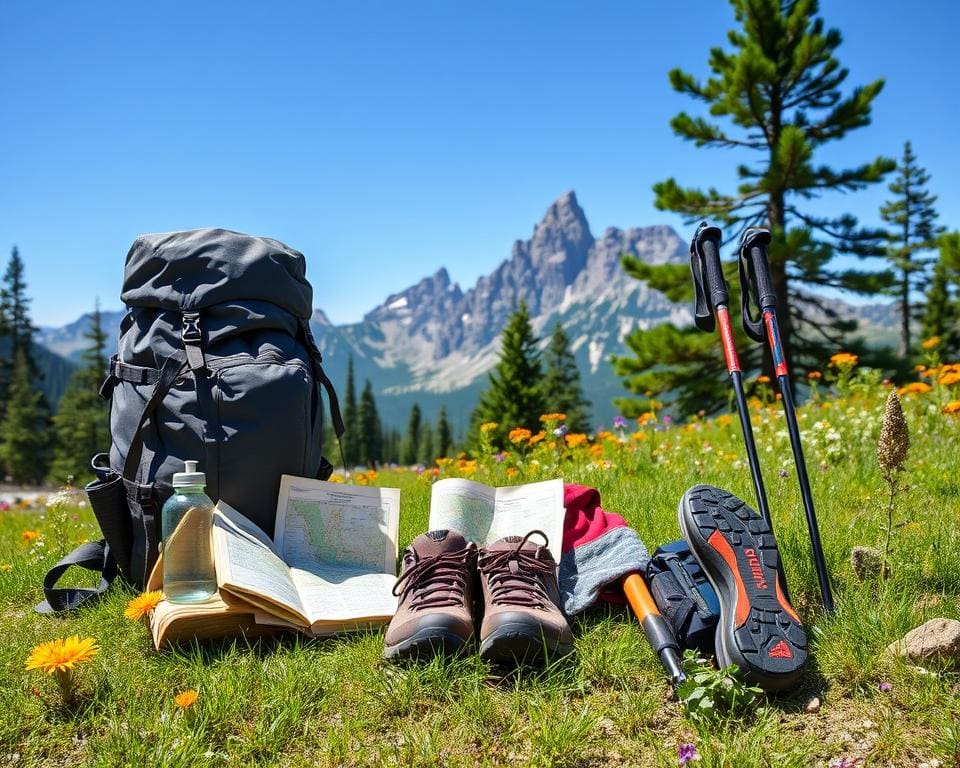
(331, 702)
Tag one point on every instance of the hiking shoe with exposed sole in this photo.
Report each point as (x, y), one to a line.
(435, 587)
(522, 622)
(758, 630)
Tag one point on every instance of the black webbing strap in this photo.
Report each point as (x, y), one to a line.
(192, 338)
(120, 371)
(317, 360)
(93, 556)
(169, 371)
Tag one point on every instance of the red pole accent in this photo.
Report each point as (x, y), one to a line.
(726, 338)
(776, 347)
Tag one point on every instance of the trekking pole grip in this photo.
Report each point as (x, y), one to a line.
(709, 241)
(756, 285)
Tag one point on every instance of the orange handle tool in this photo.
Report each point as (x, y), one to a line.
(655, 627)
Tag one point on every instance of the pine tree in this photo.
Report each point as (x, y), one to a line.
(562, 390)
(941, 315)
(514, 397)
(391, 446)
(350, 442)
(369, 436)
(410, 448)
(82, 423)
(23, 432)
(913, 220)
(444, 433)
(16, 329)
(427, 453)
(779, 87)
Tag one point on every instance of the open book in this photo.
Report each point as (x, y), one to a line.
(484, 514)
(330, 566)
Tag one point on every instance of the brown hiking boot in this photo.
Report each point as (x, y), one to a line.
(522, 621)
(435, 589)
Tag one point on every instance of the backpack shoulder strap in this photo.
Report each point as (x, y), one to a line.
(316, 360)
(93, 556)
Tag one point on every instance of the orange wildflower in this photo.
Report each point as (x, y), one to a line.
(554, 417)
(930, 343)
(537, 437)
(915, 388)
(953, 407)
(60, 656)
(29, 536)
(143, 604)
(814, 375)
(844, 358)
(575, 439)
(519, 435)
(186, 699)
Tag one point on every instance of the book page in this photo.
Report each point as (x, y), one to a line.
(343, 594)
(524, 508)
(321, 524)
(248, 567)
(465, 506)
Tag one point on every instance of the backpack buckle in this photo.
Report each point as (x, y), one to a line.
(192, 339)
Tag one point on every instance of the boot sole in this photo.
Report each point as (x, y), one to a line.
(426, 642)
(758, 630)
(517, 643)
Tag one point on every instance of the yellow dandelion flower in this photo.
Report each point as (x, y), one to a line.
(4, 567)
(519, 435)
(915, 388)
(336, 479)
(553, 417)
(186, 699)
(62, 655)
(29, 536)
(488, 426)
(844, 358)
(953, 407)
(575, 439)
(724, 419)
(814, 375)
(143, 604)
(930, 343)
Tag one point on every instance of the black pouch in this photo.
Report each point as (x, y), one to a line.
(684, 596)
(108, 499)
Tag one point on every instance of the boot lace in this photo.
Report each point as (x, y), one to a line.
(436, 581)
(513, 574)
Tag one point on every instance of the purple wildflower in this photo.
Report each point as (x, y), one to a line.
(686, 753)
(668, 419)
(74, 516)
(885, 687)
(783, 473)
(499, 457)
(561, 430)
(619, 422)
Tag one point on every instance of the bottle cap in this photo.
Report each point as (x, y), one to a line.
(189, 476)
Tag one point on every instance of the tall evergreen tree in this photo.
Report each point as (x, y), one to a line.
(444, 433)
(562, 390)
(941, 315)
(24, 442)
(350, 442)
(410, 448)
(391, 446)
(912, 217)
(82, 423)
(16, 328)
(427, 452)
(778, 86)
(370, 438)
(514, 396)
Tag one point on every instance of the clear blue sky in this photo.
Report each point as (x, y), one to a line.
(386, 140)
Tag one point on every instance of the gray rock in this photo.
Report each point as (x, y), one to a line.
(937, 640)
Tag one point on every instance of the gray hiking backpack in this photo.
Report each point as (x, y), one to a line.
(216, 362)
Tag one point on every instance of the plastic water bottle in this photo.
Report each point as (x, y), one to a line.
(189, 575)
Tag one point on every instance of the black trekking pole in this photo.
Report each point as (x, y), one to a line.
(711, 298)
(759, 304)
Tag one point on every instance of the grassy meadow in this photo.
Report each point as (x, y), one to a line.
(333, 702)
